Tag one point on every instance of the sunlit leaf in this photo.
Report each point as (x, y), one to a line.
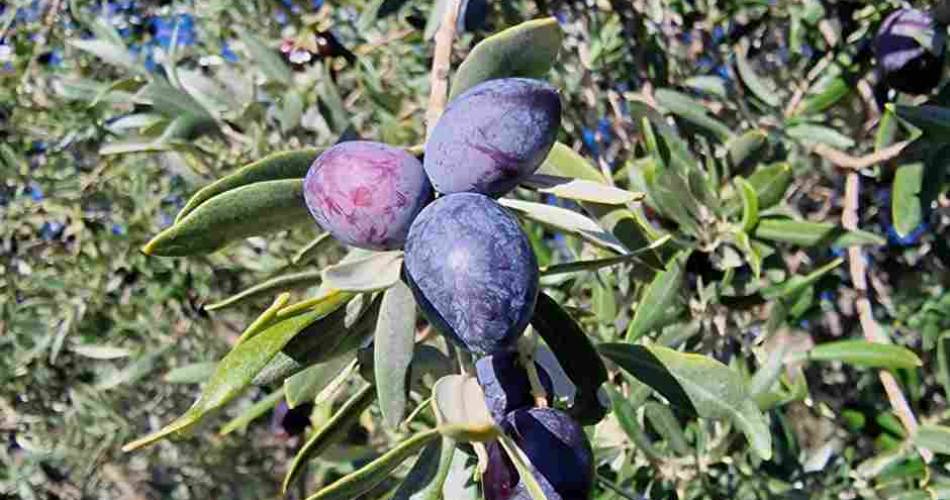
(375, 271)
(393, 350)
(863, 353)
(810, 234)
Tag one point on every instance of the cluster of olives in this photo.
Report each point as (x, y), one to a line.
(467, 261)
(910, 48)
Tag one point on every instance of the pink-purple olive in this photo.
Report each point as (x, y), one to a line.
(366, 194)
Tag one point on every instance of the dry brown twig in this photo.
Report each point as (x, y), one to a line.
(441, 65)
(844, 160)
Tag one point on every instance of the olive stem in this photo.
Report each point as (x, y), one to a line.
(526, 349)
(441, 65)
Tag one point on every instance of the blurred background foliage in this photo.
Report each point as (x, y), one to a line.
(112, 113)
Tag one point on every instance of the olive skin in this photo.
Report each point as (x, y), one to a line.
(472, 271)
(910, 47)
(506, 385)
(493, 136)
(557, 448)
(366, 194)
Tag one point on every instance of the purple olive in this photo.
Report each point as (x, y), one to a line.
(493, 136)
(557, 448)
(505, 383)
(472, 272)
(366, 194)
(909, 47)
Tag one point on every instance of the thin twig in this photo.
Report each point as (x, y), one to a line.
(441, 64)
(872, 332)
(844, 160)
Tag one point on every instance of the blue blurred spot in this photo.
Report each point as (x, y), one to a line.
(804, 324)
(227, 53)
(51, 230)
(827, 295)
(316, 4)
(37, 147)
(118, 229)
(163, 28)
(807, 51)
(718, 34)
(125, 32)
(35, 191)
(604, 129)
(589, 137)
(561, 16)
(905, 241)
(723, 72)
(705, 63)
(281, 17)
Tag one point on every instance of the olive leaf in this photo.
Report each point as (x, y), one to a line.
(459, 405)
(581, 190)
(393, 349)
(861, 352)
(238, 368)
(666, 425)
(566, 220)
(576, 355)
(276, 166)
(935, 438)
(312, 249)
(527, 50)
(693, 112)
(753, 81)
(750, 204)
(565, 162)
(932, 120)
(252, 210)
(331, 432)
(304, 386)
(658, 297)
(252, 413)
(294, 281)
(746, 147)
(427, 476)
(770, 183)
(810, 234)
(271, 64)
(375, 472)
(193, 373)
(527, 474)
(809, 133)
(375, 271)
(697, 384)
(110, 52)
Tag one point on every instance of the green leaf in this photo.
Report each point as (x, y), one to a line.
(333, 431)
(697, 384)
(565, 220)
(312, 249)
(746, 147)
(810, 234)
(253, 210)
(254, 412)
(595, 264)
(664, 421)
(829, 92)
(375, 472)
(662, 293)
(625, 412)
(906, 209)
(770, 183)
(750, 204)
(809, 133)
(392, 351)
(427, 476)
(265, 319)
(758, 87)
(239, 367)
(797, 284)
(100, 351)
(459, 405)
(527, 474)
(304, 387)
(336, 334)
(271, 64)
(943, 360)
(672, 197)
(193, 373)
(565, 162)
(376, 271)
(109, 52)
(692, 111)
(276, 166)
(527, 50)
(581, 190)
(932, 120)
(172, 102)
(279, 284)
(863, 353)
(708, 84)
(576, 355)
(935, 438)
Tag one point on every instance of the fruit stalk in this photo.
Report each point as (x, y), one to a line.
(441, 64)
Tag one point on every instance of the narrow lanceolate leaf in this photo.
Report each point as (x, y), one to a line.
(697, 384)
(265, 319)
(312, 249)
(581, 190)
(657, 298)
(770, 183)
(460, 407)
(109, 52)
(271, 64)
(375, 472)
(565, 220)
(252, 210)
(810, 234)
(826, 95)
(666, 425)
(745, 147)
(276, 166)
(194, 373)
(528, 50)
(625, 412)
(932, 120)
(392, 351)
(750, 204)
(235, 372)
(863, 353)
(565, 162)
(375, 271)
(595, 264)
(526, 471)
(254, 412)
(304, 387)
(797, 284)
(334, 430)
(338, 333)
(576, 355)
(427, 476)
(810, 133)
(279, 284)
(935, 438)
(756, 85)
(693, 112)
(907, 211)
